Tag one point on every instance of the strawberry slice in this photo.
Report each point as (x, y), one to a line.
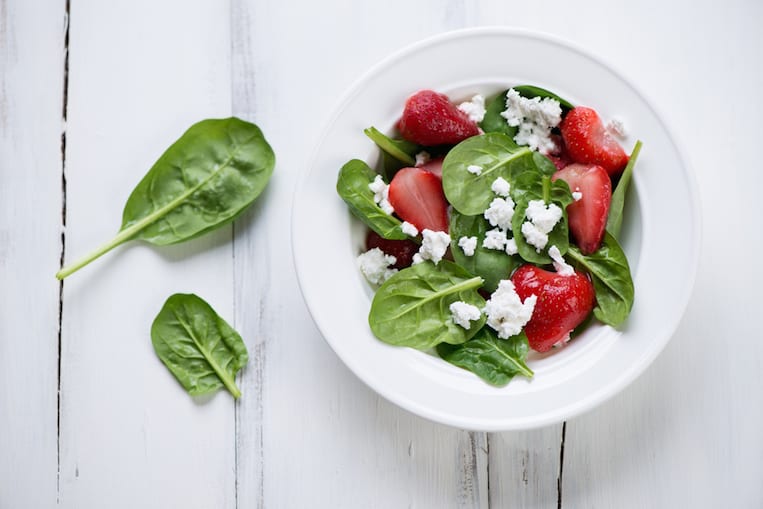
(563, 303)
(588, 141)
(402, 250)
(431, 119)
(417, 197)
(587, 216)
(434, 166)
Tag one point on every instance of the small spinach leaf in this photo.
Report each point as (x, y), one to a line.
(534, 186)
(197, 346)
(612, 280)
(615, 218)
(490, 264)
(497, 156)
(494, 360)
(402, 150)
(352, 186)
(530, 91)
(493, 122)
(204, 180)
(411, 308)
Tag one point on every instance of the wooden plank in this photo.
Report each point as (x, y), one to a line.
(305, 420)
(140, 73)
(31, 91)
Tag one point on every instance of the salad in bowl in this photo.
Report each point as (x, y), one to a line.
(492, 226)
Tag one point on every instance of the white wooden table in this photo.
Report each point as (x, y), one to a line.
(90, 418)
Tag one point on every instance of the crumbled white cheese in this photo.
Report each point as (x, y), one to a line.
(562, 267)
(534, 236)
(511, 247)
(468, 245)
(617, 127)
(474, 169)
(495, 239)
(474, 109)
(423, 158)
(577, 195)
(417, 259)
(501, 187)
(543, 216)
(381, 194)
(463, 313)
(500, 212)
(506, 313)
(409, 229)
(434, 246)
(535, 118)
(375, 265)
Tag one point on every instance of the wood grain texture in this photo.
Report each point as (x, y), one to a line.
(31, 75)
(140, 73)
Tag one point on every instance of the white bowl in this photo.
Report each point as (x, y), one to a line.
(660, 234)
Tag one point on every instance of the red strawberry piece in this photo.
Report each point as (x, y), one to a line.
(563, 303)
(434, 166)
(588, 216)
(559, 157)
(417, 197)
(589, 142)
(431, 119)
(402, 250)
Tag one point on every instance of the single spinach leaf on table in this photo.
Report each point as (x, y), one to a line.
(197, 346)
(204, 180)
(615, 217)
(535, 186)
(402, 150)
(494, 360)
(412, 308)
(612, 281)
(490, 264)
(352, 186)
(497, 155)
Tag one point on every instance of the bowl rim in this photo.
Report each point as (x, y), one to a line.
(667, 330)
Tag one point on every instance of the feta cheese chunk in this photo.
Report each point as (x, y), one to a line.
(375, 265)
(463, 313)
(409, 229)
(474, 109)
(562, 267)
(381, 194)
(500, 212)
(423, 158)
(511, 247)
(495, 239)
(506, 313)
(468, 245)
(434, 246)
(534, 236)
(535, 118)
(542, 219)
(474, 169)
(501, 187)
(577, 195)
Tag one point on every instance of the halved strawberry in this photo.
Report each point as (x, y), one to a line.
(402, 250)
(417, 197)
(431, 119)
(563, 303)
(588, 142)
(587, 216)
(434, 166)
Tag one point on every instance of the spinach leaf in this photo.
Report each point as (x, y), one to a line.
(611, 278)
(490, 264)
(494, 360)
(615, 218)
(493, 122)
(402, 150)
(411, 308)
(197, 346)
(352, 186)
(497, 155)
(534, 186)
(204, 180)
(530, 91)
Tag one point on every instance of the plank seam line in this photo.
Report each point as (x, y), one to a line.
(559, 480)
(62, 258)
